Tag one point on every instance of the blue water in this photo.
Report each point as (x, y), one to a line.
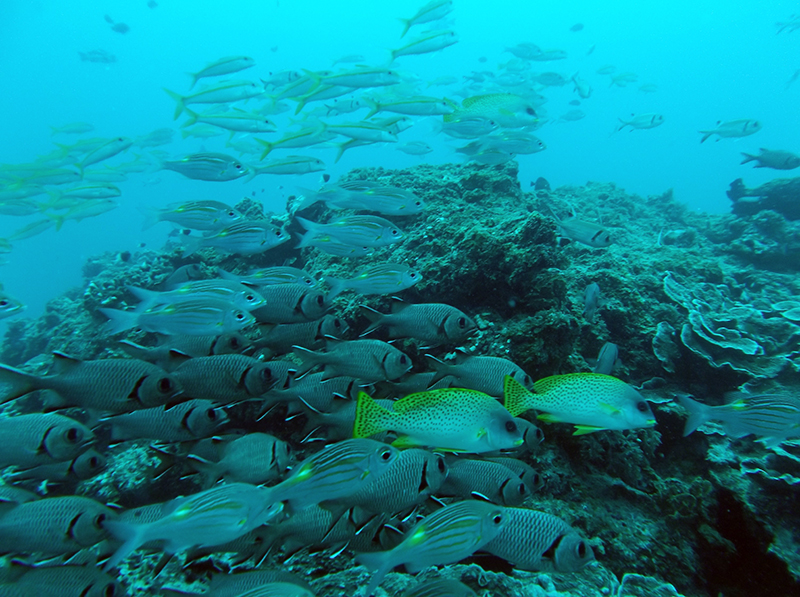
(711, 61)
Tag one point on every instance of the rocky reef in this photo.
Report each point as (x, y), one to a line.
(696, 303)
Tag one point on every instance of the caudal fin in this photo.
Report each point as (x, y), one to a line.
(747, 158)
(515, 396)
(119, 321)
(698, 413)
(179, 99)
(706, 135)
(370, 417)
(15, 383)
(132, 535)
(380, 562)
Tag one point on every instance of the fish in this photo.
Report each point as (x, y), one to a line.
(292, 164)
(468, 127)
(480, 373)
(451, 419)
(187, 421)
(318, 395)
(732, 129)
(415, 148)
(30, 230)
(202, 131)
(607, 360)
(551, 79)
(198, 317)
(291, 303)
(591, 301)
(87, 465)
(337, 108)
(359, 231)
(581, 86)
(590, 401)
(413, 106)
(163, 136)
(641, 121)
(254, 458)
(223, 66)
(513, 142)
(305, 137)
(360, 194)
(362, 77)
(213, 167)
(490, 480)
(116, 385)
(336, 472)
(211, 517)
(87, 208)
(524, 51)
(386, 278)
(447, 536)
(434, 10)
(572, 116)
(96, 191)
(222, 93)
(73, 128)
(583, 232)
(52, 176)
(193, 346)
(62, 580)
(372, 132)
(433, 324)
(234, 121)
(183, 274)
(532, 480)
(648, 88)
(533, 540)
(234, 584)
(549, 55)
(622, 79)
(9, 306)
(433, 41)
(104, 152)
(271, 275)
(197, 215)
(237, 294)
(226, 378)
(333, 246)
(775, 159)
(37, 438)
(367, 360)
(19, 207)
(243, 237)
(440, 587)
(504, 109)
(411, 479)
(54, 525)
(774, 418)
(280, 338)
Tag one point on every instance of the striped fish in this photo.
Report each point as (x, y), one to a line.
(445, 537)
(773, 417)
(338, 471)
(238, 294)
(385, 278)
(359, 231)
(196, 317)
(269, 276)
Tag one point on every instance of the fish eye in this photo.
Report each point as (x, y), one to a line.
(462, 322)
(232, 213)
(530, 111)
(99, 520)
(73, 435)
(395, 232)
(94, 462)
(403, 360)
(521, 489)
(642, 407)
(211, 414)
(266, 374)
(109, 590)
(581, 549)
(3, 303)
(165, 385)
(337, 323)
(497, 518)
(413, 275)
(320, 300)
(234, 343)
(539, 434)
(250, 298)
(386, 455)
(440, 465)
(537, 480)
(511, 426)
(238, 166)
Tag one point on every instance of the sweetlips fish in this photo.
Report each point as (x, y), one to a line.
(732, 129)
(448, 535)
(450, 419)
(591, 401)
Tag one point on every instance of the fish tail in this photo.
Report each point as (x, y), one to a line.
(406, 26)
(58, 219)
(747, 158)
(342, 148)
(337, 285)
(16, 383)
(144, 295)
(374, 107)
(131, 534)
(179, 99)
(515, 396)
(370, 416)
(191, 244)
(698, 413)
(151, 216)
(380, 563)
(55, 130)
(375, 319)
(267, 147)
(192, 118)
(119, 320)
(210, 470)
(309, 197)
(194, 80)
(135, 350)
(308, 358)
(706, 135)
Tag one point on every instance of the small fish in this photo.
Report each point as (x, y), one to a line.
(222, 93)
(86, 208)
(591, 401)
(202, 131)
(413, 106)
(480, 373)
(468, 127)
(120, 28)
(254, 458)
(431, 323)
(648, 88)
(52, 176)
(156, 138)
(367, 360)
(9, 306)
(280, 338)
(116, 385)
(337, 471)
(197, 215)
(206, 317)
(774, 418)
(223, 66)
(212, 517)
(214, 167)
(587, 233)
(73, 128)
(525, 51)
(386, 278)
(447, 536)
(591, 301)
(350, 59)
(642, 121)
(549, 55)
(505, 109)
(576, 27)
(30, 230)
(533, 540)
(234, 121)
(360, 194)
(732, 129)
(582, 87)
(237, 294)
(551, 79)
(359, 231)
(193, 346)
(63, 580)
(271, 275)
(493, 481)
(105, 151)
(185, 273)
(775, 159)
(38, 438)
(363, 77)
(572, 116)
(243, 237)
(415, 148)
(291, 303)
(321, 397)
(306, 137)
(433, 41)
(607, 360)
(337, 108)
(333, 246)
(622, 79)
(187, 421)
(451, 419)
(60, 199)
(363, 131)
(293, 164)
(434, 10)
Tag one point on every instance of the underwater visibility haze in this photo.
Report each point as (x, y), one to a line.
(399, 298)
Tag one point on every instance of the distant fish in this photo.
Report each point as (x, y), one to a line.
(606, 70)
(792, 79)
(572, 116)
(271, 275)
(243, 237)
(468, 127)
(581, 86)
(773, 418)
(349, 59)
(587, 233)
(732, 129)
(648, 88)
(415, 148)
(623, 79)
(525, 50)
(232, 291)
(775, 159)
(591, 301)
(549, 55)
(607, 359)
(105, 151)
(433, 41)
(188, 421)
(292, 164)
(440, 587)
(223, 66)
(576, 27)
(367, 195)
(73, 128)
(215, 167)
(641, 121)
(430, 12)
(98, 56)
(505, 109)
(386, 278)
(541, 184)
(431, 323)
(120, 28)
(359, 231)
(197, 215)
(222, 93)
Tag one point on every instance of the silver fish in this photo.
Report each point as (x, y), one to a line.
(732, 129)
(85, 466)
(775, 159)
(9, 306)
(291, 303)
(431, 323)
(361, 194)
(193, 346)
(253, 458)
(116, 385)
(385, 278)
(367, 360)
(591, 300)
(271, 275)
(38, 438)
(214, 167)
(225, 378)
(64, 581)
(481, 373)
(492, 480)
(587, 233)
(187, 421)
(282, 337)
(197, 215)
(198, 317)
(223, 66)
(359, 231)
(240, 238)
(607, 360)
(440, 587)
(237, 294)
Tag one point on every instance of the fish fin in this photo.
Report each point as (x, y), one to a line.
(132, 535)
(550, 418)
(442, 369)
(370, 416)
(380, 562)
(706, 135)
(608, 409)
(192, 118)
(16, 383)
(375, 319)
(747, 158)
(308, 358)
(406, 26)
(338, 285)
(63, 363)
(144, 295)
(586, 429)
(699, 413)
(515, 396)
(194, 80)
(374, 106)
(119, 320)
(268, 146)
(151, 215)
(179, 99)
(403, 442)
(176, 358)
